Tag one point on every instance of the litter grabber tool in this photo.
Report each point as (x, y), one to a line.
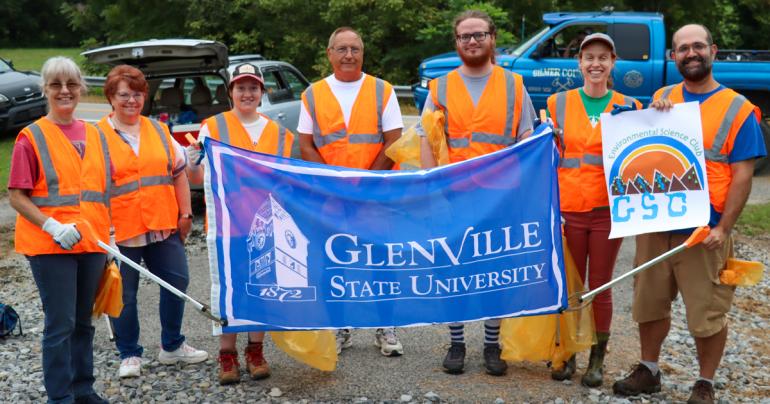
(110, 333)
(192, 140)
(580, 300)
(202, 308)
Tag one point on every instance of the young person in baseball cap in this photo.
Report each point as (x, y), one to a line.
(246, 128)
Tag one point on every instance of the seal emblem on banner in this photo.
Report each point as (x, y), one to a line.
(277, 266)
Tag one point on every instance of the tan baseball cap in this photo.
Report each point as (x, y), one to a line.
(598, 37)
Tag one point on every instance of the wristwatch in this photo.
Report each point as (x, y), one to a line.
(186, 216)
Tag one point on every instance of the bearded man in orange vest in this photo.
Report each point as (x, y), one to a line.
(487, 109)
(349, 119)
(732, 139)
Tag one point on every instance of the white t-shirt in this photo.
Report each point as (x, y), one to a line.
(346, 93)
(254, 129)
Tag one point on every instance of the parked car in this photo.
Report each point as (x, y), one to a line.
(642, 67)
(21, 98)
(188, 82)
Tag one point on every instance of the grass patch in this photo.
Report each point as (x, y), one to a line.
(6, 147)
(755, 220)
(33, 58)
(408, 107)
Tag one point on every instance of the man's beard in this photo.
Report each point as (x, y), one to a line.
(477, 60)
(697, 73)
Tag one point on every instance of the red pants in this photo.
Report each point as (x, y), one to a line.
(587, 237)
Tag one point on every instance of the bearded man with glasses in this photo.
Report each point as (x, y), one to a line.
(487, 109)
(349, 119)
(732, 138)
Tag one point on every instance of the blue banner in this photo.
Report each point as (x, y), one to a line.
(298, 245)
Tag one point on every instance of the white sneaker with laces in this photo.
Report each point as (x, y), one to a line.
(184, 353)
(387, 341)
(130, 367)
(343, 340)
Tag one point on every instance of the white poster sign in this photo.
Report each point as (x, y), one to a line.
(655, 170)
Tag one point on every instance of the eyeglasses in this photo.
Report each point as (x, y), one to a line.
(57, 86)
(698, 47)
(478, 36)
(343, 50)
(127, 96)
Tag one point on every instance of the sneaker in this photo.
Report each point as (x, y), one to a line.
(387, 341)
(455, 358)
(702, 393)
(130, 367)
(343, 340)
(184, 353)
(495, 366)
(229, 368)
(639, 381)
(92, 398)
(255, 361)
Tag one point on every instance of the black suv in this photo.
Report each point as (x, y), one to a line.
(21, 99)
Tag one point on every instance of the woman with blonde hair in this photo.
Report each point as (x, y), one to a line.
(57, 184)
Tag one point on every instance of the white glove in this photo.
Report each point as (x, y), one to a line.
(194, 154)
(65, 235)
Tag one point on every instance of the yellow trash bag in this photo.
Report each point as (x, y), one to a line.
(741, 273)
(109, 295)
(314, 348)
(405, 152)
(552, 337)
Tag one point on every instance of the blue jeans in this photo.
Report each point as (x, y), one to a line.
(67, 285)
(167, 260)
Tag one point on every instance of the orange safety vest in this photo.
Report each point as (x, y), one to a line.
(275, 139)
(357, 144)
(489, 126)
(581, 169)
(722, 116)
(143, 195)
(69, 188)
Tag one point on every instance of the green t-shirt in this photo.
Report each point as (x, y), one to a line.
(595, 106)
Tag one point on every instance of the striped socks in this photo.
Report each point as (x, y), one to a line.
(491, 332)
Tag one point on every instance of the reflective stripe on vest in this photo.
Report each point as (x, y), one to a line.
(224, 132)
(101, 197)
(51, 178)
(667, 91)
(356, 138)
(480, 137)
(588, 158)
(149, 180)
(715, 152)
(281, 139)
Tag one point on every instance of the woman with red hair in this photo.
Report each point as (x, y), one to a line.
(151, 215)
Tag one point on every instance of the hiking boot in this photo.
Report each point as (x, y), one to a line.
(229, 368)
(641, 380)
(255, 361)
(593, 377)
(565, 372)
(387, 341)
(702, 393)
(92, 398)
(455, 358)
(495, 366)
(343, 340)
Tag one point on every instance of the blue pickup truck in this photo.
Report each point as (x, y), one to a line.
(547, 60)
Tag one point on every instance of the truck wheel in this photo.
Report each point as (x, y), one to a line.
(762, 164)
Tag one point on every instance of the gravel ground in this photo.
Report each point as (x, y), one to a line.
(363, 375)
